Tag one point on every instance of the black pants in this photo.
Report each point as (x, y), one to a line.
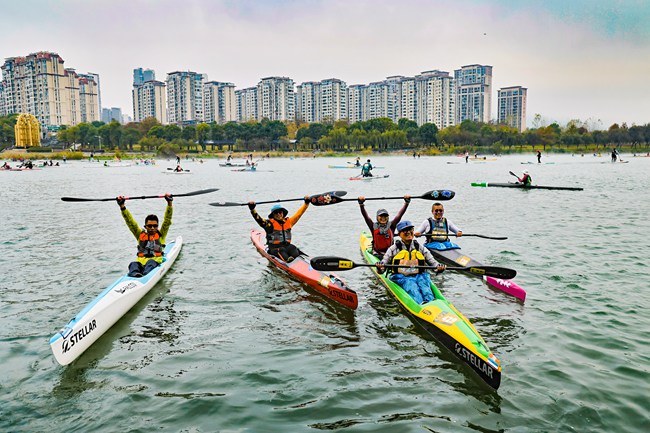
(137, 270)
(284, 251)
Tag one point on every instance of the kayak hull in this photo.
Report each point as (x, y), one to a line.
(444, 323)
(107, 308)
(328, 285)
(520, 186)
(370, 177)
(455, 257)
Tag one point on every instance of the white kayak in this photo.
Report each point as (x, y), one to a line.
(107, 308)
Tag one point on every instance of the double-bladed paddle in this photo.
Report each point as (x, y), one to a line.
(330, 197)
(325, 263)
(187, 194)
(173, 169)
(496, 238)
(436, 194)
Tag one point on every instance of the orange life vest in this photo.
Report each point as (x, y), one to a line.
(150, 246)
(281, 234)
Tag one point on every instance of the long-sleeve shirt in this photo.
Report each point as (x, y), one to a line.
(133, 226)
(268, 226)
(393, 223)
(394, 249)
(425, 227)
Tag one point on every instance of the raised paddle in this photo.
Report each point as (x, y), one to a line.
(496, 238)
(323, 199)
(325, 263)
(187, 194)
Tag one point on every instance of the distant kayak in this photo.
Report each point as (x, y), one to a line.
(369, 177)
(531, 162)
(350, 166)
(482, 158)
(232, 164)
(521, 186)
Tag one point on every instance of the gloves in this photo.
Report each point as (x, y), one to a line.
(361, 199)
(120, 200)
(307, 199)
(169, 198)
(407, 198)
(251, 205)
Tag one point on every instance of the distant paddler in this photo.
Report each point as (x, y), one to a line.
(151, 241)
(366, 169)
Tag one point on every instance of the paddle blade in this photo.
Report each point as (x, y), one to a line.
(438, 194)
(493, 271)
(327, 198)
(324, 263)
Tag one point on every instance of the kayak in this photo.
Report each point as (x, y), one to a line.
(521, 186)
(454, 256)
(328, 285)
(482, 158)
(358, 167)
(444, 323)
(369, 177)
(107, 308)
(177, 172)
(232, 164)
(245, 169)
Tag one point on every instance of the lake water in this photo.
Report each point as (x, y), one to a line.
(227, 343)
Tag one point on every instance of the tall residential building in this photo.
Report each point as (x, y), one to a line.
(511, 106)
(246, 104)
(376, 100)
(357, 102)
(435, 99)
(393, 102)
(407, 97)
(275, 99)
(150, 100)
(110, 114)
(95, 77)
(308, 107)
(141, 76)
(185, 97)
(39, 84)
(473, 93)
(89, 97)
(322, 101)
(219, 102)
(2, 100)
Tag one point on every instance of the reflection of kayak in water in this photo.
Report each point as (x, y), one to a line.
(540, 163)
(613, 162)
(369, 177)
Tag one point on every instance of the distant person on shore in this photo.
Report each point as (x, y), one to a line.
(178, 160)
(466, 156)
(436, 228)
(525, 179)
(539, 157)
(151, 241)
(366, 169)
(414, 155)
(382, 230)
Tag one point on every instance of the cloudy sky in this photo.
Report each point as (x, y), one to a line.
(579, 59)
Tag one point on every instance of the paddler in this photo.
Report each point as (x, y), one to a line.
(151, 241)
(382, 230)
(278, 229)
(365, 170)
(525, 179)
(437, 228)
(408, 252)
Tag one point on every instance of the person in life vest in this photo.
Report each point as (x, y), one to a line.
(357, 163)
(178, 168)
(437, 228)
(365, 170)
(408, 252)
(151, 240)
(278, 229)
(382, 230)
(525, 179)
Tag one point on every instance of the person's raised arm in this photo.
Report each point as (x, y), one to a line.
(364, 214)
(299, 213)
(400, 214)
(265, 224)
(131, 223)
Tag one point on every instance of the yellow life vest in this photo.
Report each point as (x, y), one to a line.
(408, 258)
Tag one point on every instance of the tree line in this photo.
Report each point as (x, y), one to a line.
(376, 134)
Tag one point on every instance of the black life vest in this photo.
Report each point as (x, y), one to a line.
(438, 230)
(281, 234)
(150, 245)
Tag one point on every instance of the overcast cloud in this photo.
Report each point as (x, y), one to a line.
(579, 59)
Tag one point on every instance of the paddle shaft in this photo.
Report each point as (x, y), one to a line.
(199, 192)
(316, 200)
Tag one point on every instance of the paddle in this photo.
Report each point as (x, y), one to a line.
(325, 263)
(496, 238)
(331, 197)
(199, 192)
(514, 175)
(173, 169)
(436, 194)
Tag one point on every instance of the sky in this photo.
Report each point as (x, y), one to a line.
(586, 60)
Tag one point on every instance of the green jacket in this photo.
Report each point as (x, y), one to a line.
(136, 230)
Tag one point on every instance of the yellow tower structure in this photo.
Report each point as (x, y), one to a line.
(28, 131)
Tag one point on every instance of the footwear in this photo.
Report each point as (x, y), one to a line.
(136, 275)
(290, 259)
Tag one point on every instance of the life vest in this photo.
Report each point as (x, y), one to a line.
(382, 237)
(527, 180)
(281, 234)
(438, 230)
(408, 258)
(150, 246)
(366, 168)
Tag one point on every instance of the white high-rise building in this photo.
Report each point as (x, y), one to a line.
(357, 102)
(308, 107)
(376, 101)
(185, 97)
(393, 101)
(89, 104)
(333, 100)
(511, 106)
(219, 102)
(435, 99)
(473, 93)
(246, 104)
(275, 99)
(407, 96)
(150, 100)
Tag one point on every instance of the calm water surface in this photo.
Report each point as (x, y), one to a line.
(227, 343)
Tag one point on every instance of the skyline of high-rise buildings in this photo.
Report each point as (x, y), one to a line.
(39, 84)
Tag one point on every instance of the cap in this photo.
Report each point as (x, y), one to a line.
(278, 207)
(403, 225)
(382, 212)
(525, 171)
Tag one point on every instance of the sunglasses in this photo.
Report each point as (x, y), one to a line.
(407, 232)
(439, 211)
(151, 226)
